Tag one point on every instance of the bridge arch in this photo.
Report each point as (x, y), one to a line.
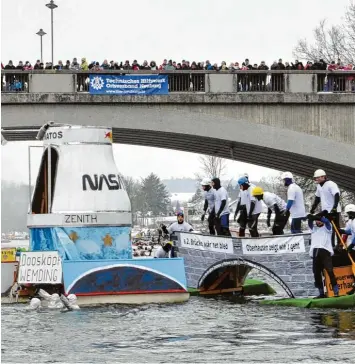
(302, 162)
(213, 277)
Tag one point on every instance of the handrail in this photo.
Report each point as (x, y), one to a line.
(107, 71)
(190, 80)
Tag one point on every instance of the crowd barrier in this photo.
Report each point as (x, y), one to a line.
(200, 81)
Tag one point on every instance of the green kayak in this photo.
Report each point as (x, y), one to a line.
(334, 302)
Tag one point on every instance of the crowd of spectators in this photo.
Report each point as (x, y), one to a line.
(190, 81)
(170, 65)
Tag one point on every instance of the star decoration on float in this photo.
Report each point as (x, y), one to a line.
(73, 236)
(107, 240)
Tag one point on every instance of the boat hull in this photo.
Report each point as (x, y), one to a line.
(126, 299)
(133, 299)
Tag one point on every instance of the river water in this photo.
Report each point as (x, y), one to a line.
(199, 331)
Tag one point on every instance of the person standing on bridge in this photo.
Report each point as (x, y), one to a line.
(241, 205)
(295, 203)
(321, 252)
(350, 228)
(209, 193)
(328, 194)
(180, 225)
(221, 208)
(253, 207)
(274, 204)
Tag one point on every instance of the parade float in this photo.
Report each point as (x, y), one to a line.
(219, 265)
(80, 228)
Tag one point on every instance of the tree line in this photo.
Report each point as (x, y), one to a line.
(149, 196)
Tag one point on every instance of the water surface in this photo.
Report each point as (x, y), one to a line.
(199, 331)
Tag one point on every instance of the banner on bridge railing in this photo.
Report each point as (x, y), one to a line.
(279, 245)
(129, 85)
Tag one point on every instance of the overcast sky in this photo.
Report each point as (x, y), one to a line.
(157, 29)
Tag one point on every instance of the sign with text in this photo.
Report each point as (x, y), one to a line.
(40, 267)
(282, 245)
(8, 255)
(345, 280)
(129, 84)
(74, 219)
(208, 243)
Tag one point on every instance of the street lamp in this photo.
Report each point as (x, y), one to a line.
(51, 6)
(41, 33)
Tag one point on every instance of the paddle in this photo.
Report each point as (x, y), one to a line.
(330, 218)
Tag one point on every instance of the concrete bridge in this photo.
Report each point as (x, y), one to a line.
(297, 129)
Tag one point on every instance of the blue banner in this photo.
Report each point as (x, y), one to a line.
(129, 85)
(84, 243)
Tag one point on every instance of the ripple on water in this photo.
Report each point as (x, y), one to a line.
(199, 331)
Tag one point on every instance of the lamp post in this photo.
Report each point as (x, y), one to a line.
(41, 33)
(52, 6)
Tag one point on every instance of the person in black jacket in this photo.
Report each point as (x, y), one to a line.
(10, 66)
(279, 84)
(20, 66)
(297, 65)
(321, 66)
(262, 76)
(37, 66)
(9, 79)
(280, 65)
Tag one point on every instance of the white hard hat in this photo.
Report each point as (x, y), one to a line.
(206, 182)
(286, 175)
(319, 173)
(350, 208)
(246, 175)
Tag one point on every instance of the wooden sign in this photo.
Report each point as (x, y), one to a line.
(345, 280)
(40, 267)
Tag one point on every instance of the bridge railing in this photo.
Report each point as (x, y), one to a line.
(188, 81)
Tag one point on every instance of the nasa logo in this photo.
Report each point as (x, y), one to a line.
(50, 135)
(112, 181)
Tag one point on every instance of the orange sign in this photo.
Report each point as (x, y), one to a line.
(345, 280)
(8, 255)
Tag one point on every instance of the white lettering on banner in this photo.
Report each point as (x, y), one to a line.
(83, 219)
(201, 242)
(40, 267)
(282, 245)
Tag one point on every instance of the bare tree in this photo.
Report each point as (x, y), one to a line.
(212, 166)
(346, 197)
(333, 42)
(274, 184)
